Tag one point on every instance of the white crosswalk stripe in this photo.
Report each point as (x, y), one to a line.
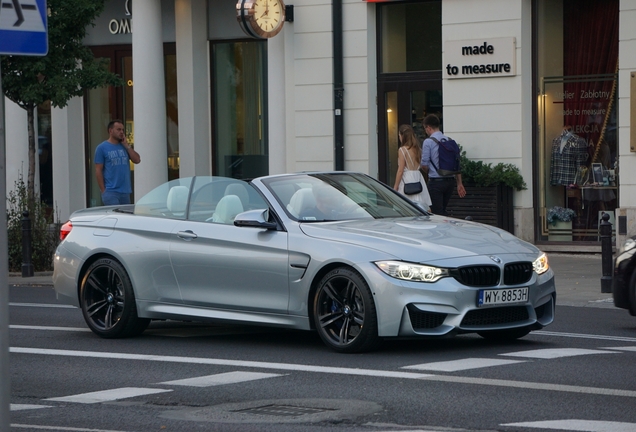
(108, 395)
(220, 379)
(578, 425)
(22, 407)
(553, 353)
(462, 364)
(627, 348)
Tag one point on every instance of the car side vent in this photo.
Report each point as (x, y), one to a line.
(477, 276)
(517, 273)
(425, 320)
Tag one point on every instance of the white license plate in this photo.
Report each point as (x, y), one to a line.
(502, 296)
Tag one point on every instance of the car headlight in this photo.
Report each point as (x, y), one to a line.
(412, 272)
(541, 264)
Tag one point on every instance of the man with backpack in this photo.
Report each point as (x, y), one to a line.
(440, 159)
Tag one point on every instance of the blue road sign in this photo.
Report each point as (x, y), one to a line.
(23, 28)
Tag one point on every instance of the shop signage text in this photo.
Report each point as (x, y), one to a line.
(123, 25)
(479, 58)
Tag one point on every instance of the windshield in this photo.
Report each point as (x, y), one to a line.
(338, 196)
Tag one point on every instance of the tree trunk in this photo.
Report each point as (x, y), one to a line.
(31, 175)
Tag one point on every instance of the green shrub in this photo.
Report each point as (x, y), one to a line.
(483, 174)
(44, 230)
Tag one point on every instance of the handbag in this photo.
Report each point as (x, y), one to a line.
(412, 188)
(414, 185)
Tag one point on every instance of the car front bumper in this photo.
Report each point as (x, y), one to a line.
(412, 309)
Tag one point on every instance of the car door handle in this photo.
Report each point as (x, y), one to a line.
(187, 235)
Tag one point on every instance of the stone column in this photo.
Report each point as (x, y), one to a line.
(192, 87)
(149, 97)
(69, 162)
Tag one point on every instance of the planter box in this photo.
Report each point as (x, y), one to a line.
(491, 205)
(561, 231)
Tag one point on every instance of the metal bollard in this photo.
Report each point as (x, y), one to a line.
(606, 254)
(27, 266)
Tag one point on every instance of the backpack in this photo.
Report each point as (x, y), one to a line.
(449, 157)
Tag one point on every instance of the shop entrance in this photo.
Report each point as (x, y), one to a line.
(409, 73)
(403, 102)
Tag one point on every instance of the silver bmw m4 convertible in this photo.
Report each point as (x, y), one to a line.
(335, 252)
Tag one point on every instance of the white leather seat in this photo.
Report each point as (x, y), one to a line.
(177, 201)
(301, 201)
(227, 209)
(238, 190)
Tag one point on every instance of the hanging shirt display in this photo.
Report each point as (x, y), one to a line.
(569, 152)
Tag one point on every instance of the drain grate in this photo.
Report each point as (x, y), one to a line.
(283, 410)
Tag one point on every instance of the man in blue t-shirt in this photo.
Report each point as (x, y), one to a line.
(112, 166)
(440, 188)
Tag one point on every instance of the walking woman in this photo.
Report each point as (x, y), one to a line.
(409, 155)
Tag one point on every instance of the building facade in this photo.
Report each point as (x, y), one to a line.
(534, 83)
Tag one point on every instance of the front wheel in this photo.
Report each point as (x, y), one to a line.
(632, 294)
(108, 301)
(344, 312)
(505, 335)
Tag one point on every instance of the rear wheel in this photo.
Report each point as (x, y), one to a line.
(505, 335)
(108, 301)
(344, 312)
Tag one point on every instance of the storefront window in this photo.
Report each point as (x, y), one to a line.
(239, 116)
(411, 37)
(106, 104)
(98, 115)
(45, 161)
(577, 95)
(172, 116)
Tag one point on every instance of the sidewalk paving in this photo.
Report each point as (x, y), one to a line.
(577, 276)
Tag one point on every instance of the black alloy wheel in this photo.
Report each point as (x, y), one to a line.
(108, 301)
(344, 312)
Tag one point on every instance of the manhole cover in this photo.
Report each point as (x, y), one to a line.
(282, 410)
(273, 411)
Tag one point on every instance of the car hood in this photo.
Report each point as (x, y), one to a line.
(428, 237)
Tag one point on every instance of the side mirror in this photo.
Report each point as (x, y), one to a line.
(255, 219)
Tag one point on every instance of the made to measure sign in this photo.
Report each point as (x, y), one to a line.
(23, 28)
(479, 58)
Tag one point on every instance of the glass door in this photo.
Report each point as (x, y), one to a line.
(240, 148)
(403, 103)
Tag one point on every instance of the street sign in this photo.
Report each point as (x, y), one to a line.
(23, 29)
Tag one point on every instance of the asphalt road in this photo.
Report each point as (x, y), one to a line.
(576, 374)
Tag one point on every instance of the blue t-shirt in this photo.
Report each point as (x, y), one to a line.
(116, 169)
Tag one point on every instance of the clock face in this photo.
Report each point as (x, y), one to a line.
(261, 18)
(268, 14)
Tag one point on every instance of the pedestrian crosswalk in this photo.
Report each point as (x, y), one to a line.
(448, 368)
(108, 395)
(462, 364)
(578, 425)
(237, 377)
(538, 354)
(221, 379)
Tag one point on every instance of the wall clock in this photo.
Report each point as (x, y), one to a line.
(261, 18)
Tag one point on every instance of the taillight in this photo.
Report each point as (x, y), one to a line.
(65, 230)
